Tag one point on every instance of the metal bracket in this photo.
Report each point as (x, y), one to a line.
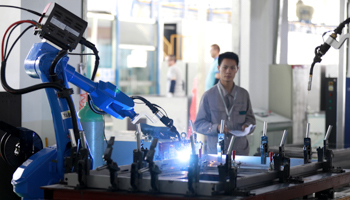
(153, 168)
(264, 145)
(327, 154)
(111, 165)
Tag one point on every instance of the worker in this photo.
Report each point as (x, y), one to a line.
(213, 75)
(175, 83)
(225, 101)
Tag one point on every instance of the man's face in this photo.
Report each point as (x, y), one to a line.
(214, 52)
(228, 69)
(171, 62)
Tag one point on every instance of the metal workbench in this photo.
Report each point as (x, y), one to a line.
(261, 182)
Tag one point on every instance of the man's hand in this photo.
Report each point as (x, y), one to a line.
(244, 126)
(225, 129)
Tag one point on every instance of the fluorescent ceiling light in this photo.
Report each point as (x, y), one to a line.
(104, 16)
(137, 20)
(137, 47)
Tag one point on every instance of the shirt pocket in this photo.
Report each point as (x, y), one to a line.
(239, 114)
(217, 115)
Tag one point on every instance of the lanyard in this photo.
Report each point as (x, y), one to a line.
(223, 100)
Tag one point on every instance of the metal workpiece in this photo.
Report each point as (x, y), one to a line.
(329, 130)
(307, 130)
(192, 127)
(222, 126)
(82, 139)
(72, 138)
(212, 189)
(193, 148)
(283, 140)
(193, 131)
(265, 129)
(230, 146)
(138, 136)
(252, 176)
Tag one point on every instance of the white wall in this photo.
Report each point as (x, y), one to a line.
(257, 39)
(36, 113)
(13, 64)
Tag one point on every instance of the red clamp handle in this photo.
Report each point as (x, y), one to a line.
(271, 156)
(233, 154)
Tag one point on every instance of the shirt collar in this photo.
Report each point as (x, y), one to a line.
(223, 90)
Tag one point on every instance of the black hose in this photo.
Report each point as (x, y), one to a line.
(164, 119)
(317, 59)
(74, 117)
(91, 46)
(53, 85)
(8, 38)
(14, 43)
(27, 89)
(339, 29)
(92, 106)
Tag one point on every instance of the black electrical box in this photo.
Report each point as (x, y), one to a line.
(331, 109)
(61, 27)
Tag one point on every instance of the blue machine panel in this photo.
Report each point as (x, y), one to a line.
(347, 115)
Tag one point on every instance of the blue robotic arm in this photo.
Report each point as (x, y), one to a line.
(105, 95)
(40, 170)
(49, 165)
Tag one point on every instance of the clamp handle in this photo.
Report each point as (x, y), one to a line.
(271, 156)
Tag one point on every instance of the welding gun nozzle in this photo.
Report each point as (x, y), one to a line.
(309, 84)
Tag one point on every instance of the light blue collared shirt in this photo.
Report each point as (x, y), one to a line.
(210, 80)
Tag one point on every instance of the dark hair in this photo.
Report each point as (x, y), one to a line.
(216, 47)
(172, 57)
(229, 55)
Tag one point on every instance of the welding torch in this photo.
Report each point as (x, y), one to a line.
(322, 49)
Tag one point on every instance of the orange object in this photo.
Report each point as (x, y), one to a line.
(46, 142)
(193, 106)
(271, 156)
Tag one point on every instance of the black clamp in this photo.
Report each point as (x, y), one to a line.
(230, 170)
(325, 155)
(65, 93)
(193, 169)
(282, 164)
(153, 168)
(83, 163)
(227, 170)
(138, 161)
(110, 164)
(307, 146)
(307, 150)
(135, 166)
